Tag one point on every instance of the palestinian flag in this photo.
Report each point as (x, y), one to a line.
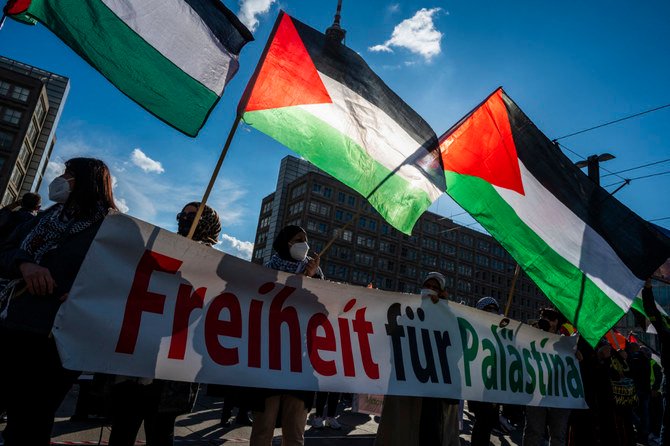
(584, 249)
(172, 57)
(321, 100)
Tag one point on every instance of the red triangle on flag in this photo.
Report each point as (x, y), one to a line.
(482, 146)
(288, 76)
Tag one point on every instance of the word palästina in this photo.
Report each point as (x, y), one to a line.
(504, 366)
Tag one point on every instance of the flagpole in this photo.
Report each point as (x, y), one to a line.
(517, 270)
(215, 174)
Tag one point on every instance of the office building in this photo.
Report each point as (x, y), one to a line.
(31, 102)
(369, 250)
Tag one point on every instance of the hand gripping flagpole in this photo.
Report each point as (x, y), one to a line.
(215, 174)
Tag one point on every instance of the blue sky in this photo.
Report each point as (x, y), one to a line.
(569, 66)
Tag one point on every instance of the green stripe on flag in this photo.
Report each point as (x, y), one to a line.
(573, 293)
(330, 150)
(92, 30)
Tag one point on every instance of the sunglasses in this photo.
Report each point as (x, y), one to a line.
(185, 216)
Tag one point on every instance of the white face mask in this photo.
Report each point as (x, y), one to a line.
(427, 292)
(59, 190)
(299, 250)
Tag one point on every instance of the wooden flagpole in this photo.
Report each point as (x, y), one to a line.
(510, 296)
(215, 174)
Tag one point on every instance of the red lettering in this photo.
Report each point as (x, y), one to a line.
(255, 309)
(278, 316)
(186, 303)
(215, 327)
(140, 299)
(347, 354)
(364, 328)
(316, 343)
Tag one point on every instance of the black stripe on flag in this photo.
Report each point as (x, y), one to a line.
(225, 25)
(637, 243)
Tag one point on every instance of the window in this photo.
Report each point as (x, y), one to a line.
(385, 229)
(341, 197)
(24, 156)
(429, 260)
(447, 265)
(351, 201)
(265, 222)
(296, 208)
(16, 178)
(429, 243)
(335, 271)
(386, 264)
(466, 239)
(316, 188)
(407, 270)
(346, 234)
(319, 209)
(40, 112)
(20, 93)
(32, 133)
(450, 234)
(262, 237)
(372, 225)
(340, 252)
(6, 140)
(430, 227)
(365, 241)
(482, 260)
(364, 259)
(464, 285)
(11, 116)
(317, 226)
(341, 215)
(327, 192)
(267, 207)
(483, 245)
(498, 251)
(465, 270)
(361, 277)
(316, 245)
(408, 253)
(387, 247)
(4, 88)
(298, 191)
(447, 248)
(465, 255)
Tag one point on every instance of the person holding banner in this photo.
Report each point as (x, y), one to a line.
(158, 402)
(418, 421)
(290, 256)
(43, 256)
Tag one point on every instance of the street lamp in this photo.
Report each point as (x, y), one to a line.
(593, 164)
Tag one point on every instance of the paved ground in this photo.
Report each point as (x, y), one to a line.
(202, 428)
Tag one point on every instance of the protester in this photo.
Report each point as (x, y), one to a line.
(44, 255)
(290, 256)
(319, 421)
(10, 220)
(662, 327)
(640, 372)
(159, 402)
(538, 419)
(487, 415)
(656, 398)
(409, 421)
(233, 397)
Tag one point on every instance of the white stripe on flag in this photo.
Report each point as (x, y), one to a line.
(573, 239)
(375, 131)
(179, 34)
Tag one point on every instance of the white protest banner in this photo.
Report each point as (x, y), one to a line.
(150, 303)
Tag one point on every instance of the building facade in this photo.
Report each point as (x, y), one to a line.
(368, 250)
(31, 102)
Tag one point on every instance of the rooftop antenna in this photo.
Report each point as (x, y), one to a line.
(335, 32)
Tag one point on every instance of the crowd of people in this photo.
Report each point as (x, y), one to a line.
(41, 253)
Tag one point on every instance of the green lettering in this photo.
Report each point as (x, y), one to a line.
(469, 348)
(503, 358)
(515, 370)
(538, 360)
(574, 379)
(530, 385)
(559, 376)
(550, 374)
(489, 365)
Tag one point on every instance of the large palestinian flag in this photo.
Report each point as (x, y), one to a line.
(321, 100)
(172, 57)
(584, 249)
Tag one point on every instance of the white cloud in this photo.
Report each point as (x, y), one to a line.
(393, 8)
(145, 163)
(121, 204)
(251, 9)
(417, 34)
(236, 247)
(54, 169)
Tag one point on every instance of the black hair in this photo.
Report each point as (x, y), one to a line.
(280, 245)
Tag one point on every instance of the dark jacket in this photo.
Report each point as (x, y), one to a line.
(37, 313)
(12, 220)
